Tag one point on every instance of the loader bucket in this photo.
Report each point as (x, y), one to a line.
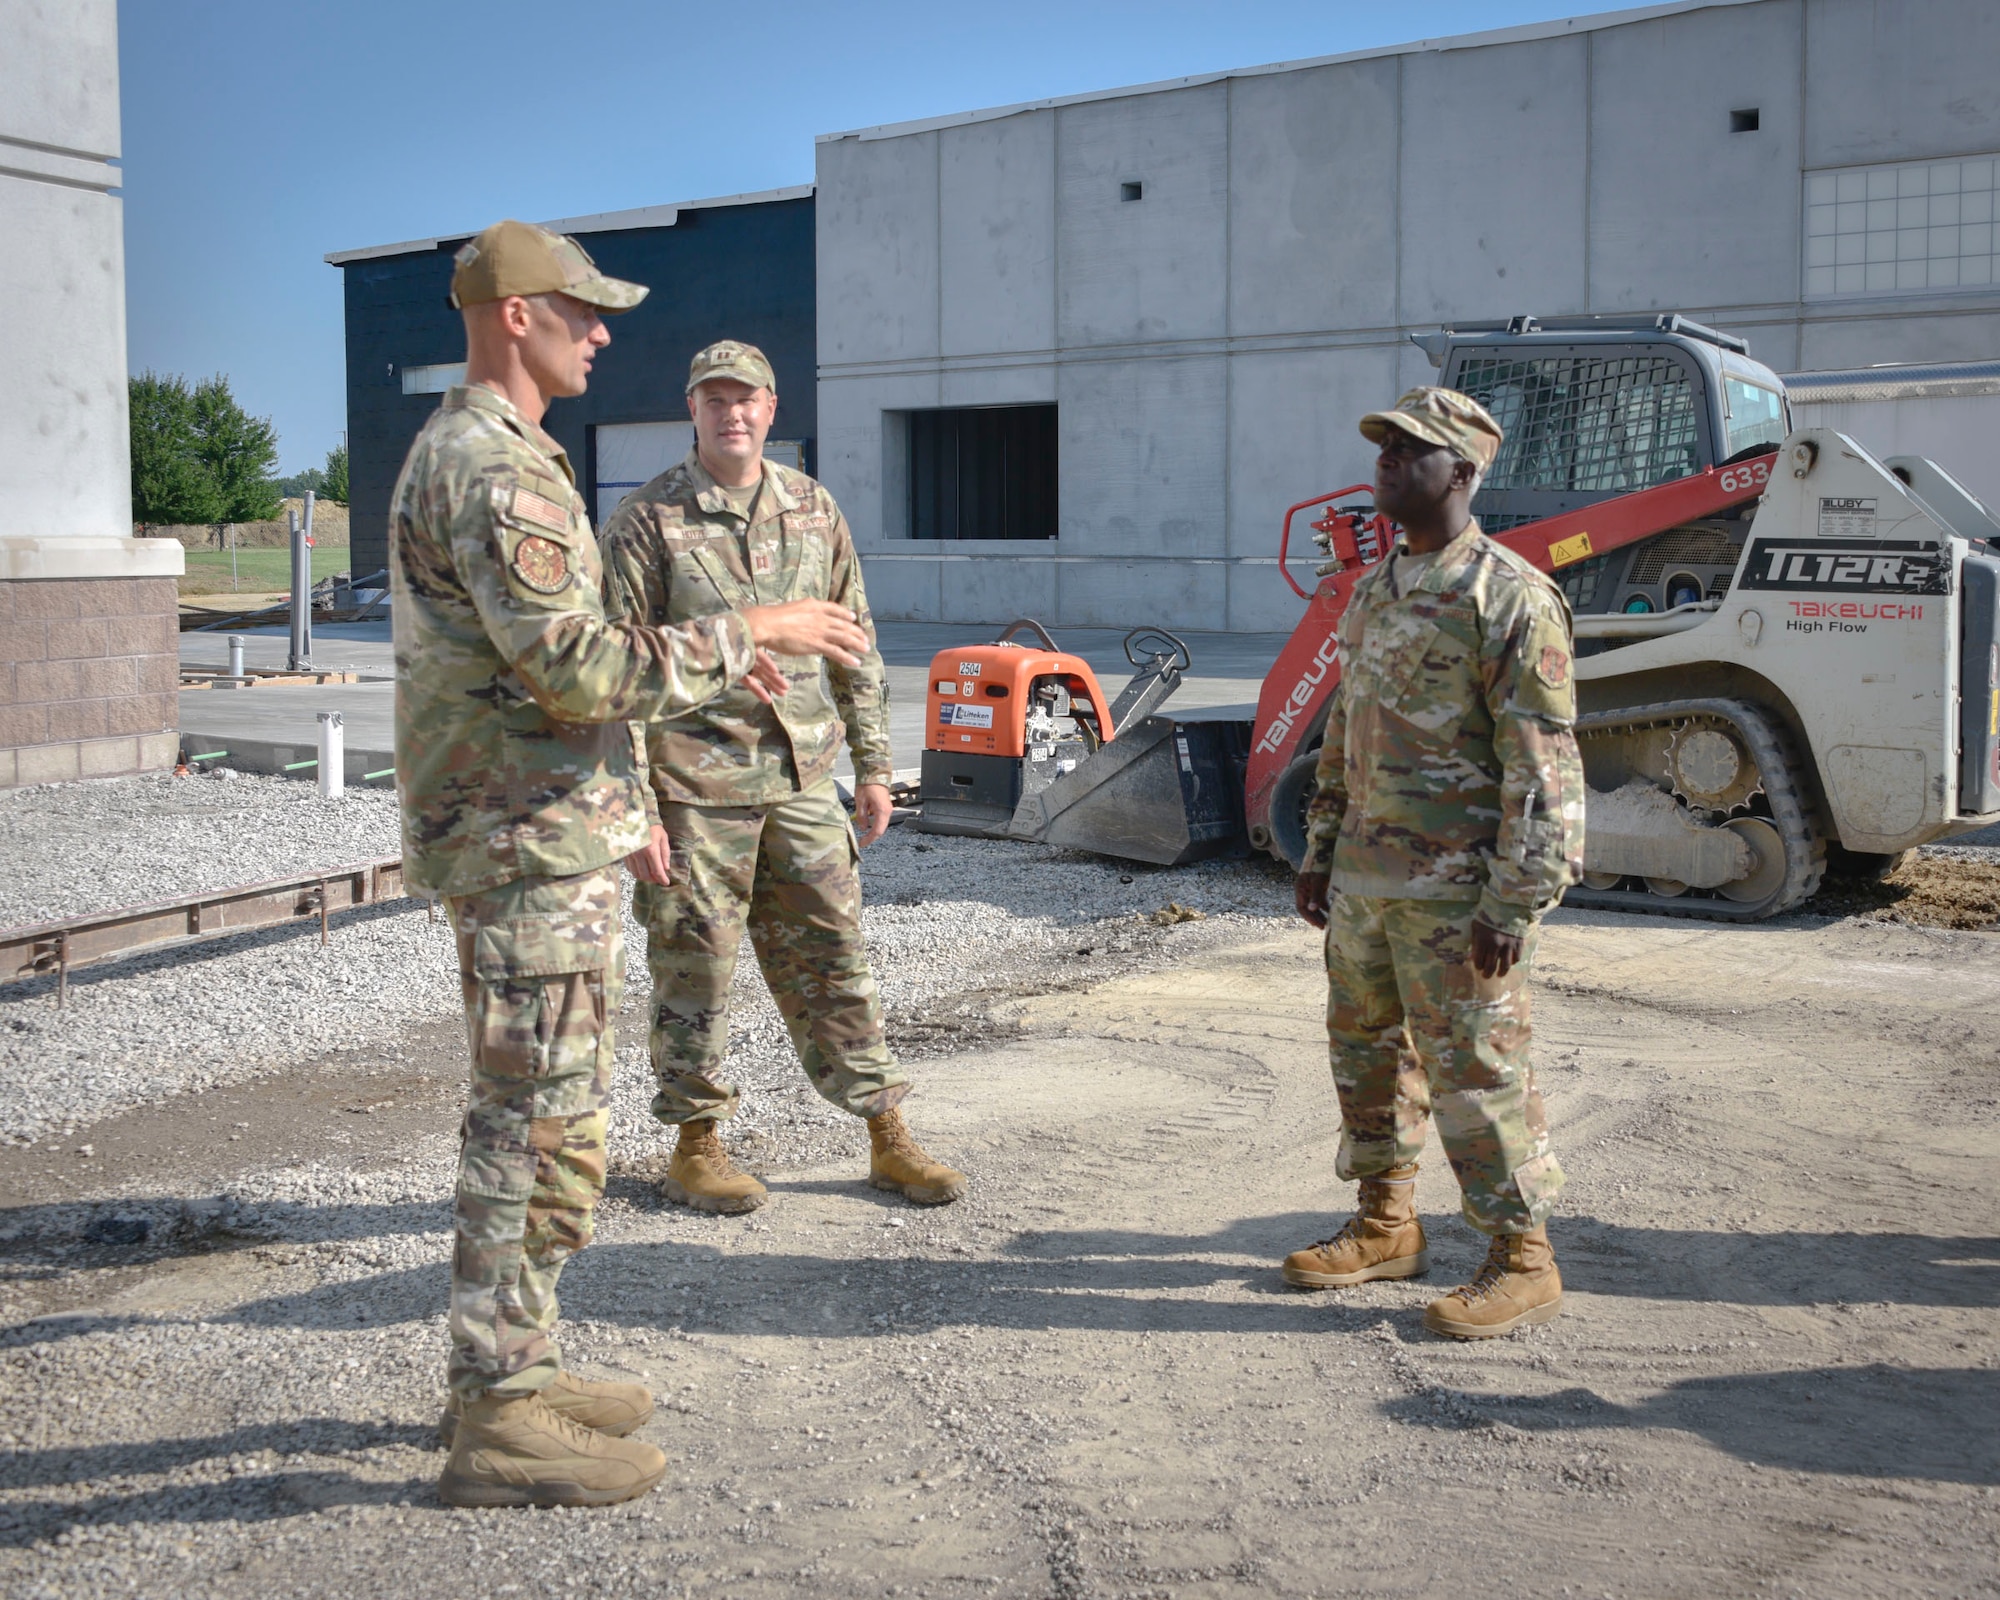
(1163, 791)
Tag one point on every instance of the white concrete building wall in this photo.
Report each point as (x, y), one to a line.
(87, 663)
(1210, 345)
(64, 463)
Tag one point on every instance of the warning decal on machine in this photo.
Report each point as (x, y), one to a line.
(957, 716)
(1564, 551)
(1848, 566)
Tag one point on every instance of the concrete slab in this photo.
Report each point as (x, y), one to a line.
(267, 729)
(343, 646)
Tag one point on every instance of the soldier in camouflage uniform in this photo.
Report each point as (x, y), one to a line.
(521, 790)
(1449, 818)
(754, 831)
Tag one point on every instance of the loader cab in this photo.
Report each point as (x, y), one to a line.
(1596, 407)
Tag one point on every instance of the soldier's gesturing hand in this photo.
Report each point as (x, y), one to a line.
(766, 679)
(808, 628)
(1309, 895)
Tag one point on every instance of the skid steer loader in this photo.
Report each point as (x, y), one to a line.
(1787, 650)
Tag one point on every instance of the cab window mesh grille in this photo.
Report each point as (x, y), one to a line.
(1585, 424)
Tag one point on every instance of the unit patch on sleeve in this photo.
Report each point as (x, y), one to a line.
(538, 509)
(542, 564)
(1552, 667)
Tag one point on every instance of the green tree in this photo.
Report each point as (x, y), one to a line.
(336, 474)
(239, 451)
(169, 482)
(297, 484)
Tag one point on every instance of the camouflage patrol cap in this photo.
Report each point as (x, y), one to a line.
(1440, 416)
(731, 358)
(520, 258)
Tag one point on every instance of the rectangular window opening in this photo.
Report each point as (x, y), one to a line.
(433, 379)
(1743, 121)
(1900, 227)
(982, 472)
(1131, 191)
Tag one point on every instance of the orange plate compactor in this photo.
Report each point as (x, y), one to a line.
(1021, 743)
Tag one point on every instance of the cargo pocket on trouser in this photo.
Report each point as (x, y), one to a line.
(545, 958)
(1384, 1095)
(805, 923)
(1474, 1035)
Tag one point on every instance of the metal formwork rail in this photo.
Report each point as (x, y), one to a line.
(57, 947)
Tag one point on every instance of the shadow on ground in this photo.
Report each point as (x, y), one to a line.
(1871, 1421)
(244, 1498)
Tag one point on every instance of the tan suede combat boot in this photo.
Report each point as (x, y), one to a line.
(513, 1450)
(1383, 1239)
(1517, 1285)
(897, 1162)
(700, 1174)
(613, 1408)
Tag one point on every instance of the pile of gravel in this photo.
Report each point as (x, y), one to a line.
(953, 925)
(74, 848)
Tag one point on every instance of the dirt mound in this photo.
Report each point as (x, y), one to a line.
(329, 528)
(1925, 891)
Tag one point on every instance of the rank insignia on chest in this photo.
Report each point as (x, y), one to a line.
(1553, 666)
(542, 564)
(540, 510)
(763, 562)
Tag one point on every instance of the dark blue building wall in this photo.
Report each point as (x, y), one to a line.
(739, 272)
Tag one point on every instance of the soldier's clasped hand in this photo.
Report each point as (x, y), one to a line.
(1493, 953)
(1309, 896)
(808, 628)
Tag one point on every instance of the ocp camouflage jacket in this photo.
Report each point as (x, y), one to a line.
(676, 551)
(1450, 768)
(515, 755)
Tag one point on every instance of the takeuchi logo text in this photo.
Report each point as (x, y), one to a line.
(1302, 694)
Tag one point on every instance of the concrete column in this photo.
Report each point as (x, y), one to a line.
(88, 650)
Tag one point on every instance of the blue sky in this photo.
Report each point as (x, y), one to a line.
(258, 137)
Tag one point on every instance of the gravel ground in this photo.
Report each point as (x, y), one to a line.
(1774, 1374)
(953, 918)
(73, 848)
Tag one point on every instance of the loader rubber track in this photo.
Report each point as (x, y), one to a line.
(1784, 790)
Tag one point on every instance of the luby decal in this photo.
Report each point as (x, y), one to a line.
(958, 716)
(1848, 566)
(1302, 694)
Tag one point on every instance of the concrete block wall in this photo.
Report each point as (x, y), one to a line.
(89, 670)
(1211, 345)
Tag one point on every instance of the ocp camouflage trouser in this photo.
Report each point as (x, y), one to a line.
(1416, 1033)
(791, 871)
(541, 963)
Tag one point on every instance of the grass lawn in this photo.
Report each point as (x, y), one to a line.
(257, 571)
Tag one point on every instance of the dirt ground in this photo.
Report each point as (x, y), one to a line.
(1777, 1370)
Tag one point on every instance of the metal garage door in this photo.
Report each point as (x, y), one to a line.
(632, 453)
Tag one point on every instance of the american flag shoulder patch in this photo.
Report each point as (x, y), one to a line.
(543, 512)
